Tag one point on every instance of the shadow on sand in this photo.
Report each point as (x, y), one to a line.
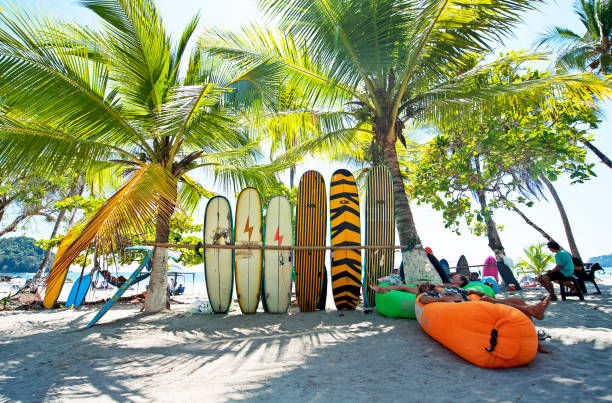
(321, 356)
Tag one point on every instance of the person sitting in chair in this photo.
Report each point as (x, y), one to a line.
(564, 268)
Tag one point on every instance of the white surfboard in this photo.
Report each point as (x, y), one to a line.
(248, 261)
(218, 263)
(278, 264)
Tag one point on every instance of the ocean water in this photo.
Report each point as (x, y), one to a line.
(194, 282)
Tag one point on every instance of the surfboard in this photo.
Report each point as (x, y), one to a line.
(436, 264)
(506, 274)
(278, 264)
(218, 263)
(121, 290)
(248, 231)
(310, 231)
(345, 230)
(463, 267)
(78, 291)
(380, 229)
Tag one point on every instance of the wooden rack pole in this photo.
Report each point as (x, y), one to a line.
(474, 265)
(275, 247)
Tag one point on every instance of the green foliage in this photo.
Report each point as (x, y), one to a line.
(498, 158)
(590, 50)
(182, 230)
(26, 196)
(535, 260)
(4, 301)
(279, 190)
(89, 204)
(129, 105)
(365, 70)
(20, 255)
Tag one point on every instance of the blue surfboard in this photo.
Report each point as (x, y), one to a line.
(121, 290)
(78, 291)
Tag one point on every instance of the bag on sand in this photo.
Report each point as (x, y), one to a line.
(199, 306)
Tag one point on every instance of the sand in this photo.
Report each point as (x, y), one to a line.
(322, 356)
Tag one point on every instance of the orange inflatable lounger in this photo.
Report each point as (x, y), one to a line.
(485, 334)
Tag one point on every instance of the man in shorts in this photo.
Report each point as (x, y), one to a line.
(564, 268)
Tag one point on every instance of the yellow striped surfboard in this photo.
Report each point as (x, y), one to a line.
(345, 231)
(310, 231)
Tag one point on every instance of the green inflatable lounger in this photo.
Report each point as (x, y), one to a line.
(399, 304)
(395, 304)
(480, 287)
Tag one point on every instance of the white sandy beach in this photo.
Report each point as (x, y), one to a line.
(322, 356)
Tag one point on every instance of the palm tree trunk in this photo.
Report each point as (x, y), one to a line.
(531, 223)
(158, 298)
(492, 234)
(566, 224)
(33, 285)
(597, 152)
(291, 177)
(494, 239)
(416, 264)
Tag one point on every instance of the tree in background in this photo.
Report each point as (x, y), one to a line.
(590, 51)
(23, 197)
(535, 261)
(501, 160)
(131, 108)
(20, 255)
(376, 66)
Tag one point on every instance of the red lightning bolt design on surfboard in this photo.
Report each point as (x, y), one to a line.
(248, 229)
(277, 237)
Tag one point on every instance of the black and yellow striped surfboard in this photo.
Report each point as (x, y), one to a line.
(310, 229)
(345, 231)
(380, 229)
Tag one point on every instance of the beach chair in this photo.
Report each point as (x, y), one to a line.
(588, 274)
(565, 291)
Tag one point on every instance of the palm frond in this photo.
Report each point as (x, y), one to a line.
(558, 38)
(137, 43)
(271, 52)
(50, 72)
(179, 51)
(482, 93)
(149, 194)
(190, 194)
(30, 148)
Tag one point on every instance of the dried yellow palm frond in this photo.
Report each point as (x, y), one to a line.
(148, 195)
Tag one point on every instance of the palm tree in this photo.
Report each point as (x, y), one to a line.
(125, 105)
(591, 50)
(535, 260)
(381, 64)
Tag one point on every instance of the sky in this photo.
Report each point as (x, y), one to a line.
(587, 205)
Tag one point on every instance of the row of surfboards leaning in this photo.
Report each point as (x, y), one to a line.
(269, 274)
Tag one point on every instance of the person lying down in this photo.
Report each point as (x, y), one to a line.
(447, 293)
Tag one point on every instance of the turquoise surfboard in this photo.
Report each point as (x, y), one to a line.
(78, 291)
(121, 290)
